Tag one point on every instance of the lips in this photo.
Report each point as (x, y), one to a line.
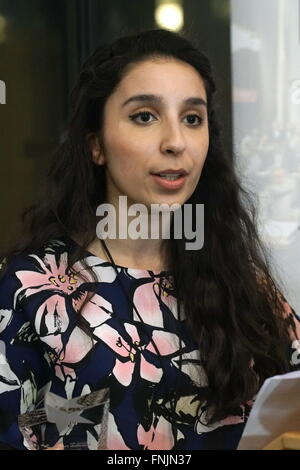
(169, 184)
(171, 171)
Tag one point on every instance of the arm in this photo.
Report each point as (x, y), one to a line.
(23, 368)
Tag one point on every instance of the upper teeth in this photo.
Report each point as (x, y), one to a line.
(169, 176)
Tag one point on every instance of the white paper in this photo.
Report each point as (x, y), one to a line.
(276, 410)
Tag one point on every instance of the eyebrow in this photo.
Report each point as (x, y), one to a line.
(157, 99)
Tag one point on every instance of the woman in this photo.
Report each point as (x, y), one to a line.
(182, 338)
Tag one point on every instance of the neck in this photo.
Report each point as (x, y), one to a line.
(146, 253)
(140, 253)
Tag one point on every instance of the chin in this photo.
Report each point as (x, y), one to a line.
(168, 201)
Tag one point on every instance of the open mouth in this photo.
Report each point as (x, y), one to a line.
(169, 177)
(169, 181)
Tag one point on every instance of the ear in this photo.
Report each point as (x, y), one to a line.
(95, 148)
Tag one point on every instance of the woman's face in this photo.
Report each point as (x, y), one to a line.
(170, 134)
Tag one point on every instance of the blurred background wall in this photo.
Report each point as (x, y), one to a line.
(265, 46)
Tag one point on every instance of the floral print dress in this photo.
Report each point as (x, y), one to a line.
(153, 400)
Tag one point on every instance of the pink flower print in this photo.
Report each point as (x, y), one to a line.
(115, 440)
(138, 273)
(97, 311)
(53, 277)
(31, 441)
(123, 370)
(77, 347)
(62, 372)
(166, 343)
(52, 318)
(148, 304)
(159, 437)
(64, 358)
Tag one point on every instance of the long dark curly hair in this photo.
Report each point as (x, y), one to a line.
(231, 301)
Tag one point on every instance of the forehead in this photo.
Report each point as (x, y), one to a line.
(166, 76)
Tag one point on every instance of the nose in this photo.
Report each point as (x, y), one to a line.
(172, 139)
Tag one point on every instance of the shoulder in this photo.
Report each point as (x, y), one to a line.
(33, 268)
(32, 257)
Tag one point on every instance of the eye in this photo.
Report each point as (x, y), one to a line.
(134, 117)
(200, 120)
(145, 114)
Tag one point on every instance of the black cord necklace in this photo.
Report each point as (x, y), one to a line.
(173, 401)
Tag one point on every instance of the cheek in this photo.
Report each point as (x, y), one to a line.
(119, 156)
(127, 155)
(204, 152)
(205, 142)
(205, 147)
(200, 154)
